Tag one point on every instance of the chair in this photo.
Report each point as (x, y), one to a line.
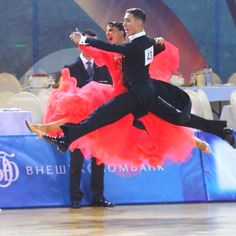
(233, 97)
(206, 107)
(9, 82)
(229, 111)
(196, 103)
(4, 96)
(233, 104)
(28, 102)
(177, 80)
(232, 79)
(43, 96)
(216, 79)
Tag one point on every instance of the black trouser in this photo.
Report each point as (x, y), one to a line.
(174, 105)
(186, 119)
(171, 104)
(97, 176)
(135, 99)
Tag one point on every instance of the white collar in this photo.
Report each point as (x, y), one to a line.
(84, 60)
(137, 35)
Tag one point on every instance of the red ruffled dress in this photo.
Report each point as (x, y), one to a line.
(165, 63)
(119, 143)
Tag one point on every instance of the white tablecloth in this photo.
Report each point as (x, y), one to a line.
(215, 93)
(13, 122)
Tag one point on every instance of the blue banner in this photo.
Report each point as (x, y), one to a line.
(219, 170)
(172, 183)
(34, 174)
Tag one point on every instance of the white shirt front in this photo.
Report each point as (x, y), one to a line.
(134, 36)
(84, 60)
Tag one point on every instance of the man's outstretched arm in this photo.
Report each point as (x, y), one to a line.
(79, 39)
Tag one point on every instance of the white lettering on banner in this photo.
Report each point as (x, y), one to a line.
(29, 170)
(148, 55)
(89, 168)
(49, 170)
(111, 168)
(9, 171)
(125, 168)
(60, 170)
(39, 169)
(160, 168)
(134, 169)
(46, 170)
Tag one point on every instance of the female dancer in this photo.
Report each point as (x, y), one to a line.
(160, 142)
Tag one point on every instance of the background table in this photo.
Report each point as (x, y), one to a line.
(220, 94)
(12, 121)
(215, 93)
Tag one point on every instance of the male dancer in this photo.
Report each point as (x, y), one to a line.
(142, 96)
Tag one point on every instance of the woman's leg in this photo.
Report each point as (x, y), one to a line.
(41, 129)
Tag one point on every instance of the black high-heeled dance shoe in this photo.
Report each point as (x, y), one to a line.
(228, 136)
(60, 142)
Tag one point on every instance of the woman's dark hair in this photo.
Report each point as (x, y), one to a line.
(118, 25)
(137, 13)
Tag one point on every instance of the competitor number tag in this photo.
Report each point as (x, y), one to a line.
(148, 55)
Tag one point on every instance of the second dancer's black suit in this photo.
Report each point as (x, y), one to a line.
(100, 74)
(143, 94)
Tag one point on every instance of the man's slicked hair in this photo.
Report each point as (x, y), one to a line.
(137, 13)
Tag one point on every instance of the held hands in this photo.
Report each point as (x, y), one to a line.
(160, 40)
(75, 36)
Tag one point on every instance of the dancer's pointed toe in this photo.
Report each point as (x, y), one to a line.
(28, 125)
(33, 129)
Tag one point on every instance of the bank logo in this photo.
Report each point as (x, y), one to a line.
(9, 171)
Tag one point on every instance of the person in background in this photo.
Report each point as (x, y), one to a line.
(85, 70)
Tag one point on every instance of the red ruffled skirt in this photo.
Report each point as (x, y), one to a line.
(119, 143)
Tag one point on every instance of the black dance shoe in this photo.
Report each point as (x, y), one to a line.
(228, 136)
(59, 142)
(102, 202)
(75, 203)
